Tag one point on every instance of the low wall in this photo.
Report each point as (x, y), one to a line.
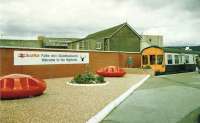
(96, 60)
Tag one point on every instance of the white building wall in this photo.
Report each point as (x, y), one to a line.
(151, 40)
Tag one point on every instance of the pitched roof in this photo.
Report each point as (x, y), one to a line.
(108, 33)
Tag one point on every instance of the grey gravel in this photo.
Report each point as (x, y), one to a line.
(62, 103)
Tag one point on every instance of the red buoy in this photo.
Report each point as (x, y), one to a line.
(20, 86)
(111, 71)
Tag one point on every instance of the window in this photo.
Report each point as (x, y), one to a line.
(98, 45)
(176, 59)
(186, 59)
(77, 46)
(152, 59)
(196, 59)
(169, 59)
(81, 44)
(159, 59)
(145, 59)
(106, 46)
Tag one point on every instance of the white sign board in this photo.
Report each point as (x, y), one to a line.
(42, 58)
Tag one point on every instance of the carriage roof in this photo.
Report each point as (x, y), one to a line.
(174, 50)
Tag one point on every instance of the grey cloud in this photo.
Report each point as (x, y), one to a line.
(154, 4)
(15, 28)
(176, 19)
(192, 6)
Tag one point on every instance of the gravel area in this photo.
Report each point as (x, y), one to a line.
(62, 103)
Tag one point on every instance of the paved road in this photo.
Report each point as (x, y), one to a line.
(164, 99)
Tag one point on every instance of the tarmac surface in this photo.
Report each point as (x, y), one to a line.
(161, 99)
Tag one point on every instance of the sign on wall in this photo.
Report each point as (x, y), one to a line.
(42, 58)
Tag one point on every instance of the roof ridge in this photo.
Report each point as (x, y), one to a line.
(134, 31)
(120, 25)
(124, 24)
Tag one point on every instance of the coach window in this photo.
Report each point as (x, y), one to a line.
(159, 59)
(145, 59)
(186, 59)
(176, 59)
(152, 59)
(169, 59)
(194, 60)
(196, 57)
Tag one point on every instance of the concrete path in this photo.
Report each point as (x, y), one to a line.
(164, 99)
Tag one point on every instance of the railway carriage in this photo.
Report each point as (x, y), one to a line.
(169, 60)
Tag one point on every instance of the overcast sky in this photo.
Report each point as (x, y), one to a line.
(177, 20)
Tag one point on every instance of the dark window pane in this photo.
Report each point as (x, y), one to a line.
(176, 59)
(152, 59)
(145, 59)
(186, 59)
(159, 59)
(169, 59)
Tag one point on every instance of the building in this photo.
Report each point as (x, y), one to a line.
(151, 40)
(41, 42)
(118, 38)
(20, 43)
(50, 42)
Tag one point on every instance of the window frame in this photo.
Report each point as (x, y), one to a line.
(146, 60)
(98, 44)
(169, 55)
(181, 59)
(81, 44)
(154, 60)
(176, 59)
(157, 61)
(187, 59)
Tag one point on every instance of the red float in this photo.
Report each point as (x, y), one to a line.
(20, 86)
(111, 71)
